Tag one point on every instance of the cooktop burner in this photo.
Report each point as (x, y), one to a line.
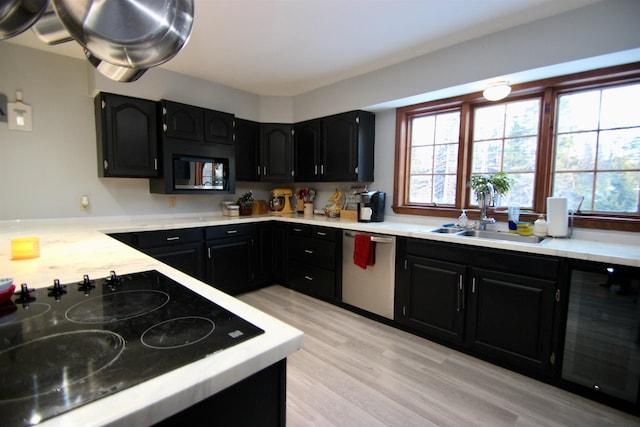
(67, 345)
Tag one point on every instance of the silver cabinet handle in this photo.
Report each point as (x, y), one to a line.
(309, 278)
(377, 239)
(169, 239)
(321, 233)
(309, 251)
(473, 285)
(232, 231)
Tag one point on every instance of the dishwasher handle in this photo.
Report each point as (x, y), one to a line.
(377, 239)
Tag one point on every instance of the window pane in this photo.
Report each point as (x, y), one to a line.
(487, 157)
(522, 190)
(422, 130)
(619, 149)
(617, 191)
(617, 112)
(520, 155)
(574, 186)
(522, 118)
(446, 158)
(420, 189)
(445, 189)
(579, 111)
(488, 122)
(447, 128)
(576, 151)
(422, 160)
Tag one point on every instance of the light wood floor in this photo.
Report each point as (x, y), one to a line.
(354, 371)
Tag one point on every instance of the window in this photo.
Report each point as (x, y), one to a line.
(574, 136)
(505, 139)
(434, 158)
(597, 141)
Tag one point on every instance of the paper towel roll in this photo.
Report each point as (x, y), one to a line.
(557, 216)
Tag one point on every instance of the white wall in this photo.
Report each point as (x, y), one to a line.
(592, 33)
(43, 173)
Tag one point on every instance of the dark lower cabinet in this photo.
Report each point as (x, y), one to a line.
(510, 318)
(507, 313)
(180, 248)
(230, 257)
(431, 299)
(315, 261)
(184, 257)
(259, 400)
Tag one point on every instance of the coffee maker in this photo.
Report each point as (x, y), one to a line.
(371, 206)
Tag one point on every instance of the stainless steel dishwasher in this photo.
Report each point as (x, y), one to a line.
(371, 289)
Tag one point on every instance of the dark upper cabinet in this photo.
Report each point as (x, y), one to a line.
(127, 136)
(182, 121)
(247, 150)
(347, 152)
(307, 140)
(196, 124)
(218, 127)
(276, 152)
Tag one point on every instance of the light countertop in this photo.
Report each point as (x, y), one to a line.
(70, 248)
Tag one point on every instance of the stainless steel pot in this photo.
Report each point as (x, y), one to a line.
(50, 30)
(17, 16)
(123, 38)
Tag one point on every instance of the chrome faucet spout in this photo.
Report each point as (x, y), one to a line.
(488, 196)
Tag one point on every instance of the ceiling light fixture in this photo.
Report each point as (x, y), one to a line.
(497, 91)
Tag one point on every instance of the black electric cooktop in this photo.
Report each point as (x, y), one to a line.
(67, 345)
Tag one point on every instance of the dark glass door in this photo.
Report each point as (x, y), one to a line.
(602, 340)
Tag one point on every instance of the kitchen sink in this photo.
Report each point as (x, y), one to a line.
(497, 235)
(493, 235)
(447, 230)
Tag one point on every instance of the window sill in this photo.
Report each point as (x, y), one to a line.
(631, 224)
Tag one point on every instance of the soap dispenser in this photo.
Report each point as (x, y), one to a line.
(463, 221)
(540, 227)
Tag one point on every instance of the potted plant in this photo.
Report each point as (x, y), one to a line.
(500, 181)
(246, 203)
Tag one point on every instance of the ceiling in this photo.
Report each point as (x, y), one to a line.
(288, 47)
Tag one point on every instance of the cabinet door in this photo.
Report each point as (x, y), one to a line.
(430, 298)
(306, 150)
(218, 127)
(339, 156)
(182, 121)
(511, 318)
(127, 136)
(229, 264)
(184, 257)
(247, 150)
(276, 153)
(347, 152)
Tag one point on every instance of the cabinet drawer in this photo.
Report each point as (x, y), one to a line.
(150, 239)
(313, 280)
(299, 229)
(224, 231)
(324, 233)
(314, 252)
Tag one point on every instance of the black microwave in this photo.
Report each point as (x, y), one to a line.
(200, 173)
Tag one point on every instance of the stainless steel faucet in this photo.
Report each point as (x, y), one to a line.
(488, 196)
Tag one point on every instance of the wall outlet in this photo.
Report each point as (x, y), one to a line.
(172, 202)
(84, 203)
